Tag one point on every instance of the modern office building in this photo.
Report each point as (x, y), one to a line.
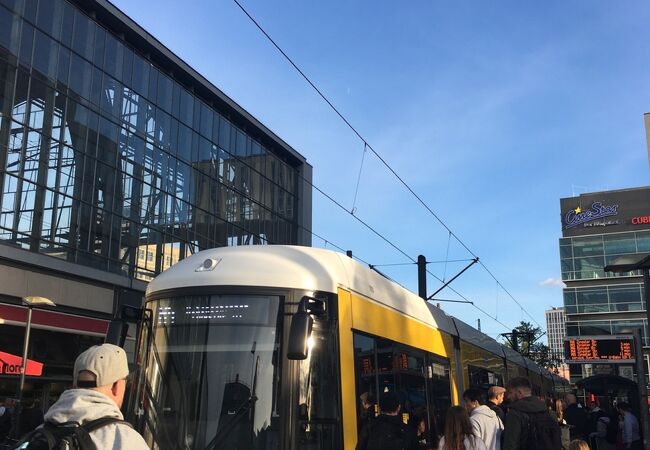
(597, 228)
(117, 159)
(555, 332)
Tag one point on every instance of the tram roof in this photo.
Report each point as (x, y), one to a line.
(295, 267)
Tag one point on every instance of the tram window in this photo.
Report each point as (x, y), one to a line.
(420, 380)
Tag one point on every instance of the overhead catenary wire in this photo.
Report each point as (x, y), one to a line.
(367, 146)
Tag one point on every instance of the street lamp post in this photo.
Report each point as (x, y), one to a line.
(30, 302)
(629, 264)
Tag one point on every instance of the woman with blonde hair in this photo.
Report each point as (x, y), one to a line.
(578, 444)
(459, 434)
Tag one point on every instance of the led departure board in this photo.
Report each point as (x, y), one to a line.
(595, 349)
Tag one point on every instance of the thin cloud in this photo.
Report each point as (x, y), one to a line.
(552, 282)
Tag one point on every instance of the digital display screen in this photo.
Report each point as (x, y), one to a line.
(605, 349)
(217, 309)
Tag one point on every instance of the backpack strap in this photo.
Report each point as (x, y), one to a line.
(83, 432)
(103, 421)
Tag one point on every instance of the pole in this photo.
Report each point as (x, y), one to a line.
(422, 276)
(23, 368)
(644, 418)
(643, 392)
(515, 340)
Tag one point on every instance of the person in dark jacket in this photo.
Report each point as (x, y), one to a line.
(576, 417)
(388, 431)
(495, 399)
(31, 416)
(524, 408)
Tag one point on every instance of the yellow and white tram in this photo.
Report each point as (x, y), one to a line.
(270, 347)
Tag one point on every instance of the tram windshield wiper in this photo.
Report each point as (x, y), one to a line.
(236, 419)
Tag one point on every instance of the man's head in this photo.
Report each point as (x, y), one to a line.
(495, 394)
(570, 399)
(102, 368)
(518, 388)
(473, 399)
(624, 407)
(389, 404)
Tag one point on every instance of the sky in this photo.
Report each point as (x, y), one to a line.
(490, 111)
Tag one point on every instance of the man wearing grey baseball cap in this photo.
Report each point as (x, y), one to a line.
(99, 383)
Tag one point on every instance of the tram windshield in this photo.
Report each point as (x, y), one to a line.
(212, 373)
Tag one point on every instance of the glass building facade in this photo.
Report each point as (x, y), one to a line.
(115, 155)
(599, 228)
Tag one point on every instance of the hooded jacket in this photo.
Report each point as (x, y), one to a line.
(487, 426)
(84, 405)
(516, 426)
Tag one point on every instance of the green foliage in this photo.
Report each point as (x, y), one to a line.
(527, 343)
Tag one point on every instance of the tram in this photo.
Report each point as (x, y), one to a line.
(271, 347)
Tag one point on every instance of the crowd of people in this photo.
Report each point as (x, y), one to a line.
(510, 418)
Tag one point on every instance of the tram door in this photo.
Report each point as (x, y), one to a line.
(419, 379)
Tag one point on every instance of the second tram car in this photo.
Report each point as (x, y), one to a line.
(271, 347)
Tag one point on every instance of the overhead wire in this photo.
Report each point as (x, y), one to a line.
(367, 146)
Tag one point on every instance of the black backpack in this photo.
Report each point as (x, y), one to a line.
(543, 432)
(65, 436)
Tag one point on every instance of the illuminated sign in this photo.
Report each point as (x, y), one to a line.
(603, 349)
(10, 365)
(643, 220)
(597, 211)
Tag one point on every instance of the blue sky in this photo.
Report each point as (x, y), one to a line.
(491, 111)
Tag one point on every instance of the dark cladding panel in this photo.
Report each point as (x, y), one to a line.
(606, 212)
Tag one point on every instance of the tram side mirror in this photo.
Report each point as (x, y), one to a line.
(301, 324)
(116, 333)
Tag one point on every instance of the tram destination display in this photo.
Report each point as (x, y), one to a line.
(603, 349)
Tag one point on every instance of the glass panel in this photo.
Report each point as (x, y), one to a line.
(67, 24)
(9, 32)
(213, 374)
(186, 108)
(591, 296)
(590, 267)
(140, 82)
(619, 243)
(49, 17)
(626, 298)
(569, 297)
(83, 37)
(164, 97)
(588, 246)
(594, 328)
(26, 44)
(643, 241)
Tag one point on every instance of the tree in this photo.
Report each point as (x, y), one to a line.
(524, 339)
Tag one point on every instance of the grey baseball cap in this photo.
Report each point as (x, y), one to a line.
(107, 362)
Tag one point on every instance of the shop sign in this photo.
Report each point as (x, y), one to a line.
(10, 365)
(642, 220)
(597, 211)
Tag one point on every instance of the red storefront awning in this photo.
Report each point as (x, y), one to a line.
(10, 365)
(17, 315)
